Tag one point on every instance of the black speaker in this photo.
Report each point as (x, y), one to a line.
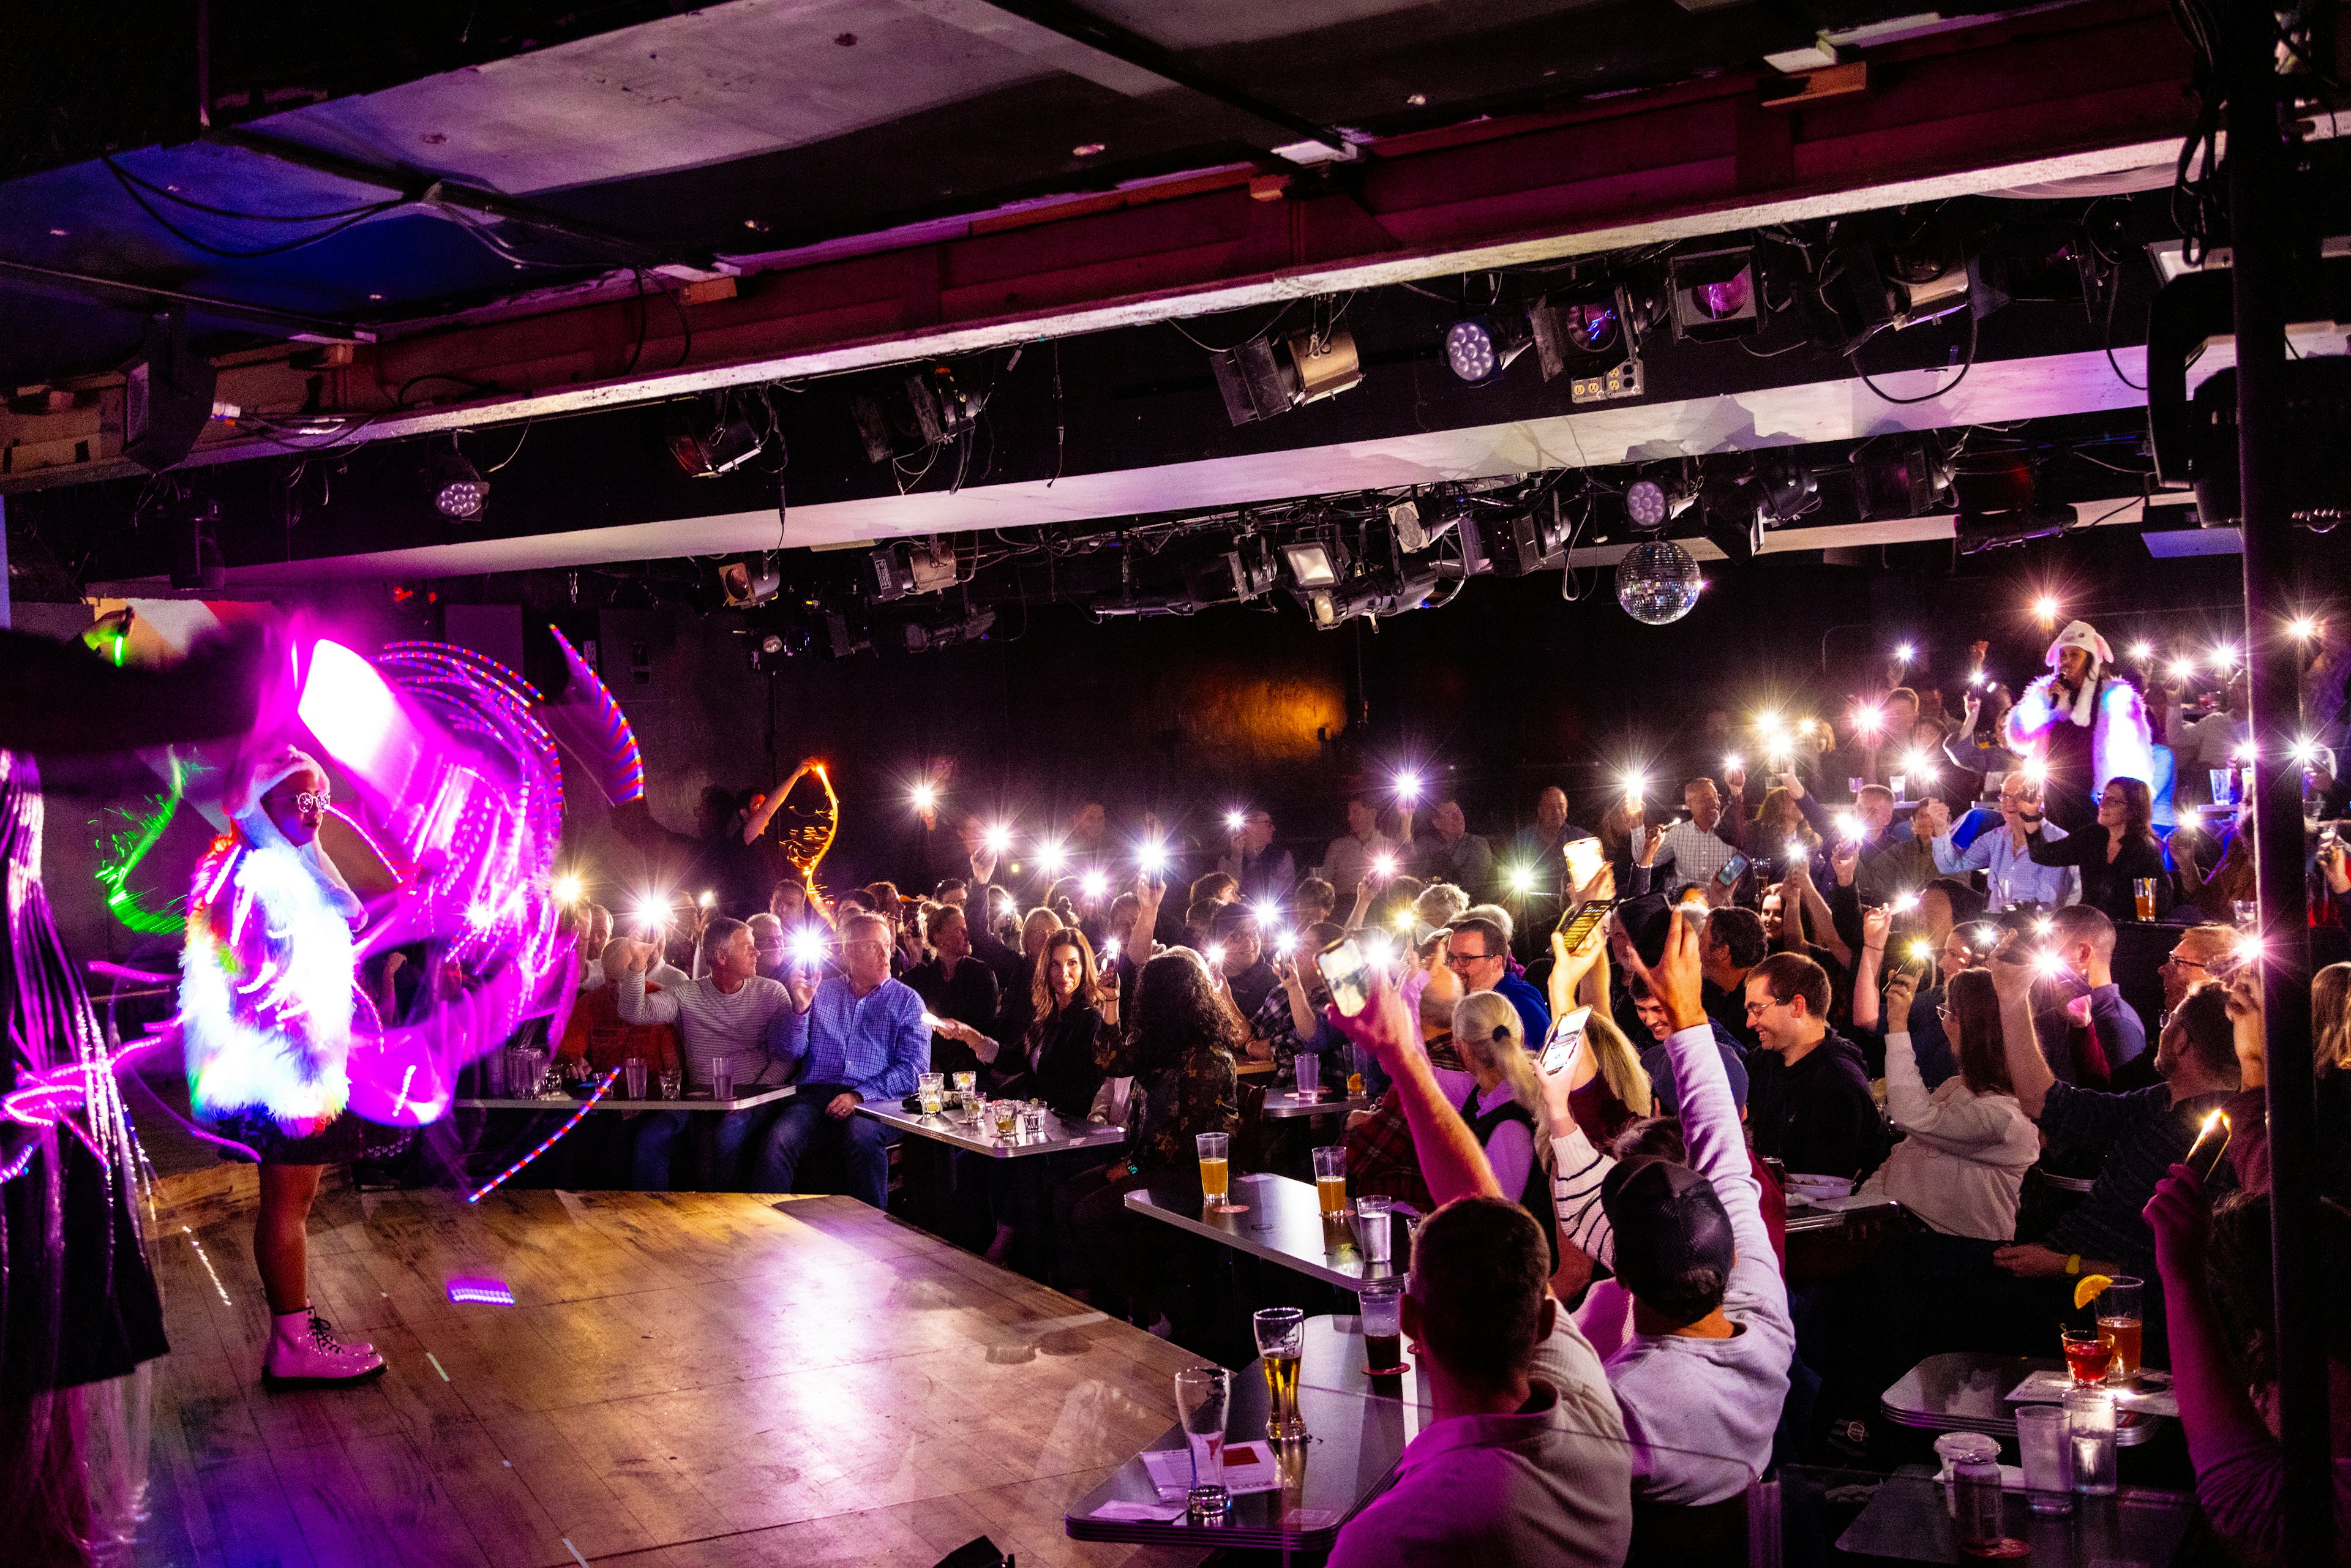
(167, 396)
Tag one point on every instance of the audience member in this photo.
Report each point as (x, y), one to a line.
(1524, 1462)
(1314, 902)
(854, 1036)
(1696, 850)
(1380, 1154)
(595, 933)
(1966, 1145)
(1655, 1062)
(1505, 1099)
(726, 1015)
(1238, 945)
(954, 987)
(1260, 871)
(1730, 944)
(2004, 854)
(1357, 857)
(2119, 858)
(598, 1037)
(2089, 1034)
(1451, 852)
(1807, 1097)
(1479, 950)
(2248, 1111)
(1440, 903)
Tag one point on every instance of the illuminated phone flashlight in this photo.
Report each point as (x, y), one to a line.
(1797, 852)
(652, 914)
(2036, 773)
(1905, 904)
(2045, 607)
(2305, 751)
(2224, 657)
(1906, 653)
(1109, 950)
(1384, 865)
(1975, 677)
(2141, 652)
(1408, 787)
(932, 1023)
(926, 795)
(2303, 628)
(1850, 827)
(707, 898)
(1768, 720)
(1234, 821)
(2043, 924)
(2245, 752)
(1215, 954)
(1733, 762)
(1094, 884)
(807, 947)
(1052, 856)
(997, 840)
(1404, 920)
(2183, 669)
(1922, 951)
(1152, 858)
(1636, 785)
(2249, 947)
(567, 889)
(2049, 965)
(1267, 913)
(1285, 942)
(1522, 880)
(1378, 949)
(1868, 720)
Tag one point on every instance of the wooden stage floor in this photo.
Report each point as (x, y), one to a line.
(706, 1379)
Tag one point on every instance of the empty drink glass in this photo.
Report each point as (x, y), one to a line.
(1374, 1226)
(1216, 1170)
(1896, 781)
(1309, 1074)
(722, 1080)
(2118, 1308)
(931, 1091)
(1331, 1180)
(1204, 1400)
(2044, 1440)
(632, 1077)
(1381, 1302)
(1004, 1118)
(2090, 1417)
(672, 1083)
(1281, 1346)
(1032, 1124)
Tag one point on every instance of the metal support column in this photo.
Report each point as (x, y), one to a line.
(2259, 176)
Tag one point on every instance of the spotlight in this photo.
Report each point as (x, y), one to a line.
(1313, 565)
(723, 431)
(1900, 478)
(752, 580)
(167, 396)
(1588, 335)
(458, 490)
(1262, 378)
(1714, 294)
(1479, 349)
(1788, 491)
(1730, 515)
(1644, 503)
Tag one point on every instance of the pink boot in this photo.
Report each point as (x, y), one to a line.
(304, 1353)
(320, 1325)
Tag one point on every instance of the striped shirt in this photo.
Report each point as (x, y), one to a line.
(712, 1025)
(874, 1044)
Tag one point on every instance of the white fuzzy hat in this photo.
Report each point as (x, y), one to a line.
(2082, 636)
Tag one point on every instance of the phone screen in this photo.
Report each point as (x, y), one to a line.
(1583, 860)
(1735, 868)
(1585, 919)
(1348, 972)
(1566, 1034)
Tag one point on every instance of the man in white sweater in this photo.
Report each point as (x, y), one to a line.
(723, 1015)
(1701, 1377)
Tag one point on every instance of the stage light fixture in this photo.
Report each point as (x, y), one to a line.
(971, 626)
(167, 396)
(721, 433)
(1730, 515)
(752, 580)
(1904, 478)
(1416, 529)
(457, 489)
(1789, 490)
(1312, 564)
(1715, 295)
(1263, 377)
(1479, 349)
(1644, 503)
(1588, 335)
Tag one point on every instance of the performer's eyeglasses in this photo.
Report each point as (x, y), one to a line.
(309, 802)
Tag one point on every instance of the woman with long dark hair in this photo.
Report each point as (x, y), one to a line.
(1967, 1144)
(1179, 1054)
(2114, 852)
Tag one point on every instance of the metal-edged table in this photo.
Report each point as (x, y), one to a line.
(1284, 1102)
(1830, 1213)
(1060, 1133)
(1967, 1391)
(1280, 1221)
(1357, 1427)
(759, 1094)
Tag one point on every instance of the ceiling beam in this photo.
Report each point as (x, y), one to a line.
(2095, 89)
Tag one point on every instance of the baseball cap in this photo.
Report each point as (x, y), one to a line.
(1669, 1222)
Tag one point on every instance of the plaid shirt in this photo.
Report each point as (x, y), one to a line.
(1696, 855)
(1380, 1156)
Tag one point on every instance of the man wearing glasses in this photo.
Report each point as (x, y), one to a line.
(854, 1036)
(2191, 962)
(1476, 949)
(2004, 853)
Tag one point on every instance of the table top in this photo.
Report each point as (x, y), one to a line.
(765, 1095)
(1967, 1391)
(1906, 1518)
(1060, 1133)
(1357, 1427)
(1282, 1221)
(1253, 1069)
(1827, 1214)
(1329, 1103)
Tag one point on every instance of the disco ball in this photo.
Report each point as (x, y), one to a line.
(1657, 583)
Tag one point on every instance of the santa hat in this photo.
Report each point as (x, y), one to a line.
(2082, 636)
(242, 800)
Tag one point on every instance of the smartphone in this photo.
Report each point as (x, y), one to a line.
(1732, 870)
(1583, 860)
(1348, 972)
(1585, 919)
(1566, 1035)
(932, 1021)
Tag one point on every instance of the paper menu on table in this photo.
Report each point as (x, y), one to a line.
(1249, 1466)
(2150, 1394)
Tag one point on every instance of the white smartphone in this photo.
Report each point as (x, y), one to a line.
(1348, 974)
(1566, 1037)
(1583, 860)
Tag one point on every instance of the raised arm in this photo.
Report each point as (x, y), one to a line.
(1712, 1140)
(1875, 924)
(2027, 1069)
(765, 813)
(630, 997)
(1450, 1158)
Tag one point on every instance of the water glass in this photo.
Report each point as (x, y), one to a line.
(722, 1079)
(632, 1077)
(1309, 1074)
(1381, 1302)
(672, 1083)
(1896, 781)
(1331, 1180)
(1204, 1402)
(2045, 1441)
(1032, 1124)
(2090, 1422)
(930, 1091)
(2224, 786)
(1374, 1226)
(1281, 1347)
(1854, 787)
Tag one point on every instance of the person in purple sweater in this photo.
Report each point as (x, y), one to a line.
(2227, 1393)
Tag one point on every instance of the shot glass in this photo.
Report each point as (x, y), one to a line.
(672, 1083)
(1897, 782)
(1032, 1124)
(632, 1077)
(930, 1091)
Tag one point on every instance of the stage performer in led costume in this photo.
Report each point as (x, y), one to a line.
(2083, 726)
(268, 1003)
